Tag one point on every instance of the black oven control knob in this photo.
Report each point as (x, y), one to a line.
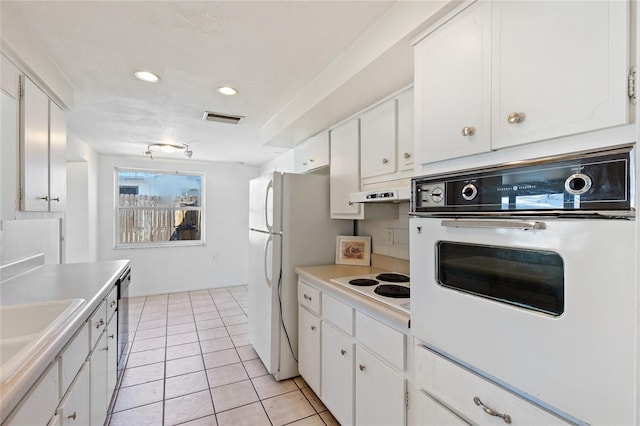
(469, 191)
(578, 184)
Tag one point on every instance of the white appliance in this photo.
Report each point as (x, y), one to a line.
(289, 227)
(527, 274)
(390, 288)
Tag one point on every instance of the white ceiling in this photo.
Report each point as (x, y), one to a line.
(268, 50)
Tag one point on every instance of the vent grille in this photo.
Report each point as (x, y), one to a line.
(222, 118)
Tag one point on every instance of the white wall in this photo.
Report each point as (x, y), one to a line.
(377, 230)
(222, 261)
(77, 218)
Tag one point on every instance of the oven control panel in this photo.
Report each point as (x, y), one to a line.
(586, 182)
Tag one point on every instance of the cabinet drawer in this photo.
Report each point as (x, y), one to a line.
(338, 313)
(382, 339)
(309, 297)
(97, 323)
(458, 388)
(73, 355)
(112, 302)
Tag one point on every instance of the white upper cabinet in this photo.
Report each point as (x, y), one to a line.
(506, 73)
(406, 132)
(560, 67)
(344, 173)
(42, 151)
(313, 153)
(378, 140)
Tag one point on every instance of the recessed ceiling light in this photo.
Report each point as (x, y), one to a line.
(226, 90)
(147, 76)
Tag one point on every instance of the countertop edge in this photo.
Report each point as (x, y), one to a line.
(16, 388)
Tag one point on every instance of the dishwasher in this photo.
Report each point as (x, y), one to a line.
(124, 341)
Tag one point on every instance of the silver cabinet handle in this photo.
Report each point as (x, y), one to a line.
(468, 131)
(73, 416)
(362, 367)
(111, 336)
(56, 199)
(313, 328)
(525, 225)
(307, 297)
(311, 160)
(385, 161)
(112, 304)
(489, 411)
(515, 117)
(304, 163)
(343, 352)
(46, 198)
(407, 155)
(100, 323)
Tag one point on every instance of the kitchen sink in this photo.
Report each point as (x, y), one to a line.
(25, 328)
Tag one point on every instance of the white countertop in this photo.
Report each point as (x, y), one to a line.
(321, 276)
(88, 281)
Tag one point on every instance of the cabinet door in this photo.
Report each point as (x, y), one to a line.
(39, 406)
(75, 408)
(312, 153)
(337, 373)
(378, 140)
(309, 349)
(34, 147)
(453, 88)
(405, 130)
(57, 158)
(380, 392)
(112, 355)
(344, 172)
(98, 360)
(301, 157)
(562, 66)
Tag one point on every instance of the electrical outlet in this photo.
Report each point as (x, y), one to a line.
(389, 240)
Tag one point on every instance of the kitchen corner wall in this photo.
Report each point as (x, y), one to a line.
(378, 229)
(222, 261)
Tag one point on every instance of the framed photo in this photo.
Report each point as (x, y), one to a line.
(353, 250)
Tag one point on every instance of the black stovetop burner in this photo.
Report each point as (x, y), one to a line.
(393, 278)
(392, 290)
(363, 282)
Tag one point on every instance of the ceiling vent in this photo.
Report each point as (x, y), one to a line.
(222, 118)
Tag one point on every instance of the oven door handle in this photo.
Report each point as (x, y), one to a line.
(525, 225)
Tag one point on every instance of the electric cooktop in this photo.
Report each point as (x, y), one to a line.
(392, 289)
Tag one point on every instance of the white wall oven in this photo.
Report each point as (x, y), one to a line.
(526, 272)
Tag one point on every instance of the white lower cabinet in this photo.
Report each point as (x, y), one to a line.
(98, 363)
(309, 348)
(39, 406)
(112, 356)
(337, 373)
(427, 410)
(75, 408)
(380, 391)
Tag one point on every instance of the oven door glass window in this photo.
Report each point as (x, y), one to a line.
(530, 279)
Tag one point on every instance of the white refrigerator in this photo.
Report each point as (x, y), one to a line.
(289, 226)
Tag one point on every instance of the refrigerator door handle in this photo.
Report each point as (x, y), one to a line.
(268, 205)
(266, 259)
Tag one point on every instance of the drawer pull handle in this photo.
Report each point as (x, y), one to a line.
(100, 323)
(58, 200)
(489, 411)
(73, 416)
(111, 336)
(307, 297)
(112, 304)
(343, 352)
(362, 367)
(313, 328)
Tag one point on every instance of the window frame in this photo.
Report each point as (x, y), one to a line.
(157, 244)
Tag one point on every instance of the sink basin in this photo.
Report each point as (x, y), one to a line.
(24, 329)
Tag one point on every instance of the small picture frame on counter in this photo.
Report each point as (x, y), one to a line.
(351, 250)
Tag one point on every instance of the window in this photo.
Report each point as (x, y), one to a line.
(158, 208)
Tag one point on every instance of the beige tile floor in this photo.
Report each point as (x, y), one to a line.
(191, 363)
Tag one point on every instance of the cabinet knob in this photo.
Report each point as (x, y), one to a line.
(56, 199)
(304, 163)
(313, 328)
(468, 131)
(73, 416)
(385, 161)
(362, 367)
(343, 352)
(112, 304)
(407, 155)
(311, 160)
(491, 412)
(100, 323)
(515, 117)
(307, 297)
(46, 198)
(111, 336)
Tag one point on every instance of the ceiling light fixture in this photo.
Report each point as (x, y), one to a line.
(168, 148)
(147, 76)
(226, 90)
